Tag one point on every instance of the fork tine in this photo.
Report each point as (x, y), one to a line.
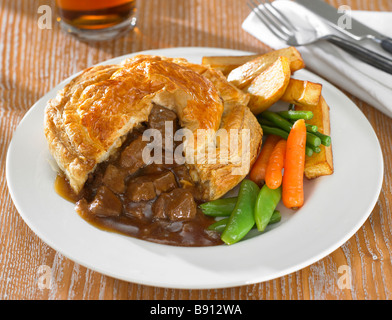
(283, 18)
(268, 22)
(278, 17)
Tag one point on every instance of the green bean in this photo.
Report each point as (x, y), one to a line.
(312, 140)
(309, 151)
(266, 203)
(276, 131)
(219, 208)
(309, 127)
(277, 120)
(296, 114)
(315, 149)
(325, 140)
(220, 225)
(286, 125)
(242, 218)
(283, 134)
(265, 122)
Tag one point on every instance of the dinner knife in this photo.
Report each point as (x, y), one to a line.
(358, 31)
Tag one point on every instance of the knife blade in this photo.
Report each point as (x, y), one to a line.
(358, 31)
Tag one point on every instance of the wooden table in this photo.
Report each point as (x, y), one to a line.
(34, 60)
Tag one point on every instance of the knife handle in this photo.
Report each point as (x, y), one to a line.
(370, 57)
(386, 44)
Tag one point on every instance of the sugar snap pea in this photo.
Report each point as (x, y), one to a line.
(242, 218)
(220, 225)
(219, 208)
(266, 203)
(275, 218)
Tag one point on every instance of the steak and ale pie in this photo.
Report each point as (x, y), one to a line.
(96, 130)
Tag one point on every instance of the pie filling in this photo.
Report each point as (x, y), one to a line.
(157, 202)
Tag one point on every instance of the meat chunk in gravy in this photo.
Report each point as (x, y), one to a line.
(164, 182)
(165, 121)
(132, 156)
(148, 187)
(105, 203)
(114, 179)
(160, 116)
(176, 205)
(140, 189)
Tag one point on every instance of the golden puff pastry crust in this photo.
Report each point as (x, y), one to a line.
(89, 118)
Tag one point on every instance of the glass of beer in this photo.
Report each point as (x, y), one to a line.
(96, 20)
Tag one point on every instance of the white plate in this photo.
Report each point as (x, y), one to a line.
(336, 207)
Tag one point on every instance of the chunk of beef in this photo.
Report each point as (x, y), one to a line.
(175, 205)
(185, 181)
(182, 205)
(140, 189)
(159, 206)
(132, 156)
(105, 203)
(158, 118)
(164, 182)
(153, 168)
(114, 179)
(159, 115)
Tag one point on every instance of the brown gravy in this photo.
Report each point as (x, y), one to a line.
(169, 215)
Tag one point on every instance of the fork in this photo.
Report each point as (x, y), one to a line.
(282, 28)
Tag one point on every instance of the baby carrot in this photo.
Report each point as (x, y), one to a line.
(257, 174)
(292, 185)
(273, 173)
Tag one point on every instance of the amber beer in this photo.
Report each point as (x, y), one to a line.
(97, 19)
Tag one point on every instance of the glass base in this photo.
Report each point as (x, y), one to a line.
(99, 34)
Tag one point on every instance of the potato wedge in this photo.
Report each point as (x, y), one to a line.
(319, 164)
(304, 93)
(268, 87)
(227, 63)
(244, 74)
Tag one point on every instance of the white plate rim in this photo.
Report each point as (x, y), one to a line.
(212, 284)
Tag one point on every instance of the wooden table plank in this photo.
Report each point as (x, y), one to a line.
(33, 61)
